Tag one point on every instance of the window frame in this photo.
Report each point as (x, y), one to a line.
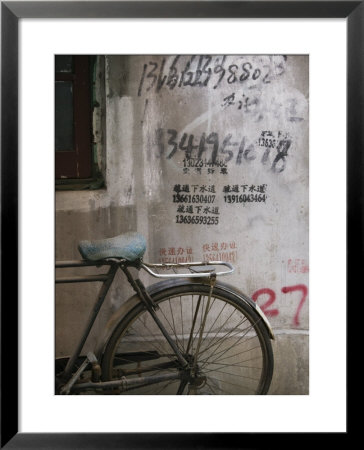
(76, 165)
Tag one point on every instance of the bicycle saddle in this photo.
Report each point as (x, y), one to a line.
(129, 246)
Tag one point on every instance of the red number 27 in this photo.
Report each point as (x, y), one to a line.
(272, 297)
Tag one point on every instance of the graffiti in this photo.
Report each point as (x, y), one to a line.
(204, 171)
(303, 290)
(203, 188)
(175, 255)
(200, 166)
(271, 299)
(270, 138)
(250, 193)
(216, 246)
(195, 204)
(257, 106)
(245, 198)
(193, 198)
(175, 251)
(243, 102)
(297, 266)
(236, 150)
(205, 71)
(236, 188)
(194, 193)
(272, 312)
(220, 251)
(198, 220)
(191, 162)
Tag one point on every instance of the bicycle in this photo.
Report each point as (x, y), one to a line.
(187, 334)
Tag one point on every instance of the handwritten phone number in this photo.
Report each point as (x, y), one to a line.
(245, 198)
(197, 220)
(206, 71)
(237, 149)
(186, 198)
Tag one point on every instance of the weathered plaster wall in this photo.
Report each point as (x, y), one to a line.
(241, 196)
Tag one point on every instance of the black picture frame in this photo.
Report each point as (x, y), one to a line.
(11, 12)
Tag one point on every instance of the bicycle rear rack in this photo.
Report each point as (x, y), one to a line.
(196, 269)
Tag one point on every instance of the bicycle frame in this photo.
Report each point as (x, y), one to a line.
(107, 279)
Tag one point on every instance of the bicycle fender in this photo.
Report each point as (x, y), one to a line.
(221, 285)
(253, 305)
(167, 284)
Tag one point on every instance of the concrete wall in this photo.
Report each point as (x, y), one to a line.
(242, 196)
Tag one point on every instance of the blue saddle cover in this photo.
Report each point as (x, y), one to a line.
(130, 246)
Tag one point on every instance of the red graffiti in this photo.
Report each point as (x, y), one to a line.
(272, 297)
(297, 265)
(304, 290)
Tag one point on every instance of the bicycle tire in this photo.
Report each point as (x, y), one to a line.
(234, 337)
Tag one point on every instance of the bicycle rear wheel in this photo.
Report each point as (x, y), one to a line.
(222, 337)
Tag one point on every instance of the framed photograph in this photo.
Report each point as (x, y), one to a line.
(227, 133)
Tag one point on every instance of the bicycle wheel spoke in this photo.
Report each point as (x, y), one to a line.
(224, 337)
(180, 302)
(221, 340)
(236, 375)
(218, 331)
(235, 365)
(158, 348)
(172, 328)
(236, 354)
(221, 352)
(224, 351)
